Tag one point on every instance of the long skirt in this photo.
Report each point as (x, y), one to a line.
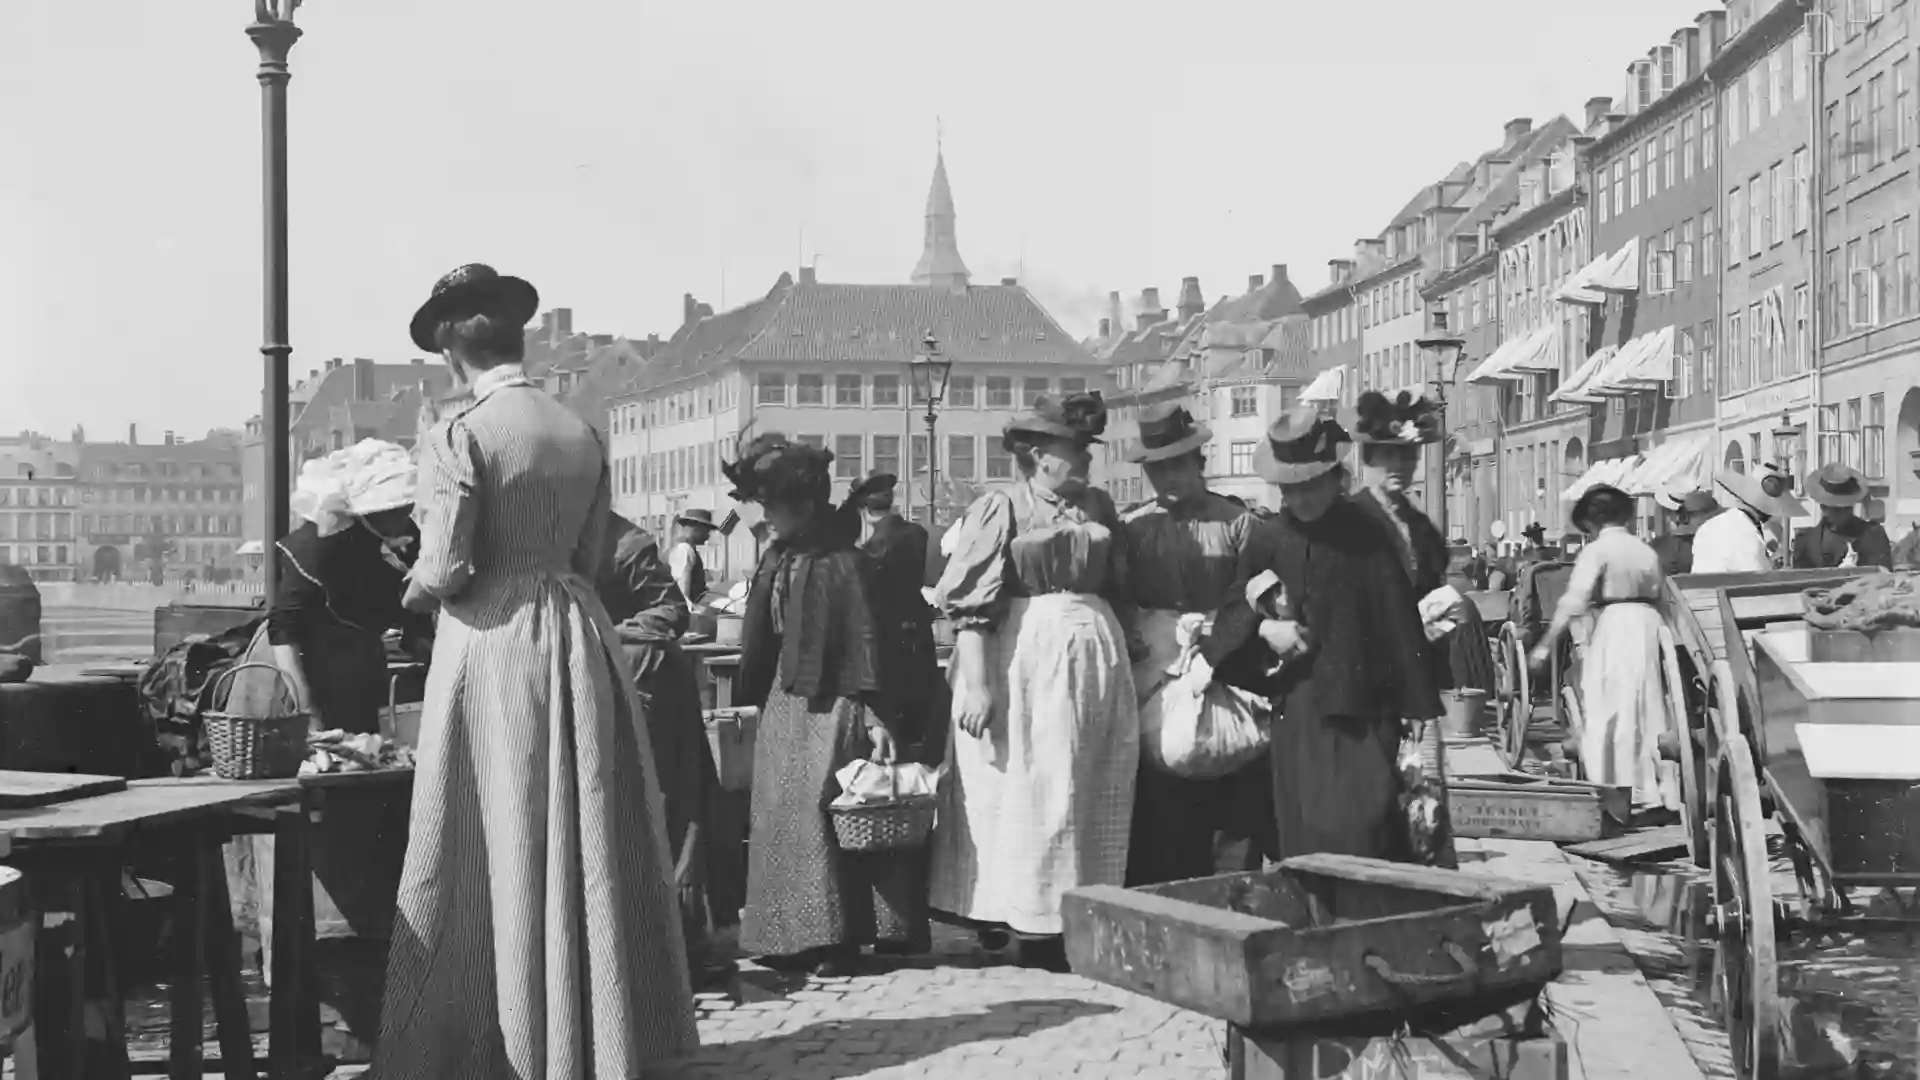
(537, 934)
(670, 700)
(1623, 706)
(1337, 787)
(803, 892)
(1466, 658)
(1044, 802)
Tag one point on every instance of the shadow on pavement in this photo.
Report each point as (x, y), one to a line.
(836, 1049)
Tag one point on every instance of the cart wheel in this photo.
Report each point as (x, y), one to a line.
(1516, 699)
(1693, 804)
(1576, 722)
(1815, 901)
(1723, 709)
(1749, 974)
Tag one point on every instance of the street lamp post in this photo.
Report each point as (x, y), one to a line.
(274, 34)
(930, 370)
(1445, 348)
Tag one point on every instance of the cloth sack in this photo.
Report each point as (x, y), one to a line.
(1190, 725)
(865, 782)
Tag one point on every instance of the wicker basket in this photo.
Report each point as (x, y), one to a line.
(255, 747)
(898, 824)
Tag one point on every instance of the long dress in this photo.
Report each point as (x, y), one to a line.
(898, 551)
(1187, 559)
(1622, 705)
(1044, 802)
(1339, 710)
(803, 892)
(537, 934)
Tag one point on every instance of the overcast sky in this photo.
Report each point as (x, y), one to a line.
(619, 154)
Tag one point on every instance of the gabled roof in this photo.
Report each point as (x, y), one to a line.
(334, 388)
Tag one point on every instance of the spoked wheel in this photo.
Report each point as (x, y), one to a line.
(1817, 899)
(1575, 722)
(1693, 798)
(1749, 975)
(1723, 709)
(1515, 693)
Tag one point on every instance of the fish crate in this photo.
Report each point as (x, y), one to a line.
(1518, 807)
(1321, 940)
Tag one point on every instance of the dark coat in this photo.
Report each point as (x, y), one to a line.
(1825, 546)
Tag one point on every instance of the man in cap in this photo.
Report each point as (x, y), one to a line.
(1843, 538)
(692, 529)
(1733, 542)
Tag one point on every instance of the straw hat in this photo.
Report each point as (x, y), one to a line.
(1744, 491)
(1834, 484)
(1167, 431)
(1300, 446)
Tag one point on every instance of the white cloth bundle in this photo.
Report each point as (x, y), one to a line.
(365, 478)
(1190, 725)
(1439, 611)
(865, 781)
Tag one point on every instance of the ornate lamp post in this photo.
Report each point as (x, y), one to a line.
(1445, 348)
(930, 370)
(274, 34)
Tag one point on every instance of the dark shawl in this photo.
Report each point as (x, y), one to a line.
(1422, 550)
(636, 584)
(1825, 546)
(828, 644)
(898, 548)
(340, 579)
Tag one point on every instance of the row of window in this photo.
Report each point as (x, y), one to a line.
(1671, 156)
(36, 496)
(1879, 125)
(137, 470)
(36, 526)
(1878, 284)
(160, 494)
(883, 391)
(1854, 437)
(692, 467)
(42, 555)
(691, 404)
(170, 524)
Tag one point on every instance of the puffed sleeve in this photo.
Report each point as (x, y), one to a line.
(973, 589)
(1116, 589)
(446, 507)
(1582, 585)
(1236, 620)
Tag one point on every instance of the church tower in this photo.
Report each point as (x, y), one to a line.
(940, 262)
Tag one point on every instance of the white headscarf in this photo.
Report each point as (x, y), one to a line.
(365, 478)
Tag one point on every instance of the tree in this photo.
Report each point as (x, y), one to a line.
(154, 550)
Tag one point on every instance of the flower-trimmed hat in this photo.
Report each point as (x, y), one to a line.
(1167, 431)
(473, 289)
(1078, 417)
(1402, 421)
(771, 468)
(1300, 446)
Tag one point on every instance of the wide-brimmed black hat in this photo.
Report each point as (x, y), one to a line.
(1301, 445)
(1595, 497)
(1402, 421)
(1537, 533)
(473, 289)
(876, 483)
(1079, 417)
(701, 518)
(1834, 484)
(771, 467)
(1167, 431)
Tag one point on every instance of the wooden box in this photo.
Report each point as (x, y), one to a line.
(1320, 938)
(1898, 646)
(1520, 807)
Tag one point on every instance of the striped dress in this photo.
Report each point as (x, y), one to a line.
(536, 936)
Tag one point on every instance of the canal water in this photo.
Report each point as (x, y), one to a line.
(1850, 1000)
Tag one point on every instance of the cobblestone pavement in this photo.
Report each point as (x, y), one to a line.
(959, 1013)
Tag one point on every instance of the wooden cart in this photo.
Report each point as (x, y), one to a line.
(1708, 667)
(1829, 742)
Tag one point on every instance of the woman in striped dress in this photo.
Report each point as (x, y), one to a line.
(536, 934)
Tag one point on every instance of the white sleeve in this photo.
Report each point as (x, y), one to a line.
(1710, 548)
(680, 561)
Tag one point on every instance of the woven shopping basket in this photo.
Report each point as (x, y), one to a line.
(901, 823)
(255, 747)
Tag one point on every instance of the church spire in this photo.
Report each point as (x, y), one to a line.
(940, 262)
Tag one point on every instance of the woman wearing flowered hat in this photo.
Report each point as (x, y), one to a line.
(536, 932)
(1047, 738)
(1355, 665)
(811, 659)
(1185, 548)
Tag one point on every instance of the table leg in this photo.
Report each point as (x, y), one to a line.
(102, 926)
(186, 1004)
(59, 961)
(295, 1007)
(224, 965)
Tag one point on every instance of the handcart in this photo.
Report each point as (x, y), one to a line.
(1824, 734)
(1521, 708)
(1706, 661)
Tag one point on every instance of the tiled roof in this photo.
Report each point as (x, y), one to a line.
(1505, 193)
(708, 342)
(335, 387)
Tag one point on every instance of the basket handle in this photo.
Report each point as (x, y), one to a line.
(226, 677)
(1469, 969)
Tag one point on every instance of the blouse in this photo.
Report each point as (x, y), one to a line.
(1025, 541)
(346, 578)
(1615, 567)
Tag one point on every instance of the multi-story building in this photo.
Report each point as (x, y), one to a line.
(1868, 316)
(1140, 371)
(163, 511)
(1766, 189)
(39, 506)
(1333, 314)
(829, 363)
(1651, 293)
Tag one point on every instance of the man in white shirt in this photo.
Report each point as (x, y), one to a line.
(692, 528)
(1732, 541)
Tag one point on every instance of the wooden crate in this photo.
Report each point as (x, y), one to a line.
(1899, 646)
(1253, 1056)
(1520, 807)
(1317, 939)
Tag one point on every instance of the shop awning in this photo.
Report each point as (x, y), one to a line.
(1617, 271)
(1572, 392)
(1641, 364)
(1600, 472)
(1684, 462)
(1326, 386)
(1542, 356)
(1505, 363)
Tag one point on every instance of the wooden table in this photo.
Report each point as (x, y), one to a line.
(718, 666)
(73, 854)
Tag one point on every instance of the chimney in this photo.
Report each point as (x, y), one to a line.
(562, 325)
(690, 308)
(133, 434)
(1009, 281)
(1518, 128)
(1191, 303)
(653, 341)
(363, 388)
(1597, 109)
(1339, 270)
(1278, 274)
(1254, 282)
(1114, 312)
(809, 275)
(1106, 328)
(1712, 27)
(312, 374)
(419, 361)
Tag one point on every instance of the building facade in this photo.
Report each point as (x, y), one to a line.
(830, 364)
(165, 511)
(1868, 315)
(39, 506)
(1767, 189)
